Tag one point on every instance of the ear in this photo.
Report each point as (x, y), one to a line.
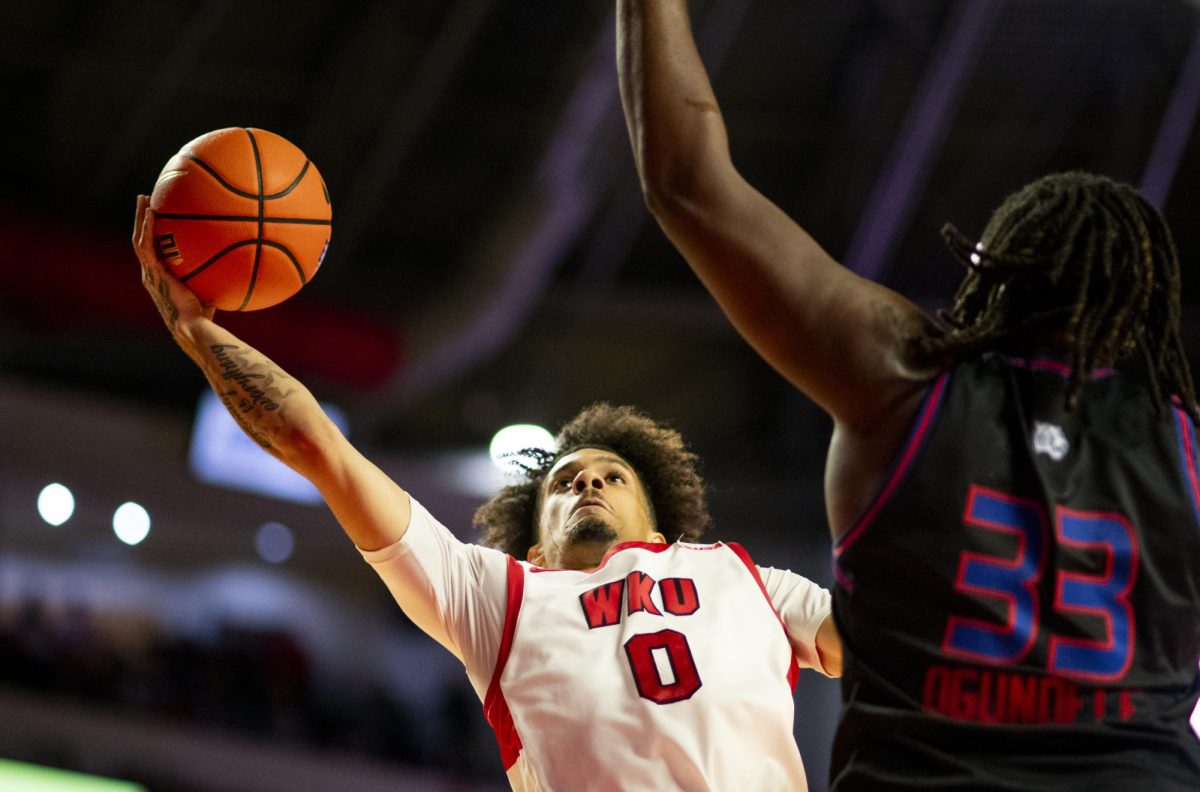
(656, 538)
(535, 555)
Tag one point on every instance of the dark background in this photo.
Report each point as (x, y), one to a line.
(491, 262)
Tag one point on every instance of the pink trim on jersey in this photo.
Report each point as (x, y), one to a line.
(495, 708)
(793, 674)
(1057, 367)
(1187, 445)
(916, 438)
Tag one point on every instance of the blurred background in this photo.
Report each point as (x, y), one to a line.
(491, 263)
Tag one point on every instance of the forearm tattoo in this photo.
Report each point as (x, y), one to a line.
(162, 299)
(251, 390)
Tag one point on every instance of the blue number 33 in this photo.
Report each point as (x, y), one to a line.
(1014, 581)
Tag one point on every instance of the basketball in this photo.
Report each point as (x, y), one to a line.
(242, 217)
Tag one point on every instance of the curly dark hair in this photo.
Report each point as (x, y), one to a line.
(665, 466)
(1080, 254)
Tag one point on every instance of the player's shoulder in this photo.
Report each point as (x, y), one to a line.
(726, 551)
(682, 545)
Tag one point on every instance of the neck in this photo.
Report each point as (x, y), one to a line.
(584, 555)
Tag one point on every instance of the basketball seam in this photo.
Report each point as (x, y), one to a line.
(212, 172)
(291, 257)
(261, 213)
(243, 193)
(213, 260)
(242, 243)
(295, 183)
(241, 218)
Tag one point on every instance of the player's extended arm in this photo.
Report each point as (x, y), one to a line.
(842, 339)
(274, 409)
(829, 647)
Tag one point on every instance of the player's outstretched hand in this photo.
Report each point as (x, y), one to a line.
(176, 303)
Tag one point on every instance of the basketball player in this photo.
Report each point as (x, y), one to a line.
(615, 656)
(1016, 518)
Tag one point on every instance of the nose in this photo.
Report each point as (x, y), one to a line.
(586, 479)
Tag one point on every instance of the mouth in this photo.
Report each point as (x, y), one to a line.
(590, 503)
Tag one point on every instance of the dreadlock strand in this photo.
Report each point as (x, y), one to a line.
(1187, 386)
(959, 243)
(975, 335)
(1141, 284)
(1083, 324)
(1130, 286)
(1167, 360)
(1149, 362)
(1085, 284)
(1171, 310)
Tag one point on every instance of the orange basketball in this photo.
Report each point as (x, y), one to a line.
(242, 218)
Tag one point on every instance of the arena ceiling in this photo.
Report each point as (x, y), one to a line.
(491, 257)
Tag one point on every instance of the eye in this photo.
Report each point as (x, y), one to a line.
(562, 484)
(618, 477)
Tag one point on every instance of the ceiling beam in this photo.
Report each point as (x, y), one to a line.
(894, 196)
(405, 121)
(1175, 130)
(512, 263)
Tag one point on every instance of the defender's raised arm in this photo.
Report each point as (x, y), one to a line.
(843, 340)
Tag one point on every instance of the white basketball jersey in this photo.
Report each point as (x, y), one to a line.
(665, 668)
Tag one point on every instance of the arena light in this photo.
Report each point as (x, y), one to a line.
(131, 523)
(508, 444)
(221, 453)
(55, 504)
(274, 542)
(1196, 719)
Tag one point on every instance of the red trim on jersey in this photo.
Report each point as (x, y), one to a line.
(495, 707)
(793, 674)
(916, 439)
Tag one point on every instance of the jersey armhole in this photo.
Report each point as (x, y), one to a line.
(922, 424)
(793, 674)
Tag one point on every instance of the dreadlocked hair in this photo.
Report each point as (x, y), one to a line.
(657, 453)
(1078, 254)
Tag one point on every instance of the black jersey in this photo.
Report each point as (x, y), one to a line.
(1020, 604)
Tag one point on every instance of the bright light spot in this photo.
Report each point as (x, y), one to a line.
(507, 445)
(131, 523)
(976, 259)
(1196, 719)
(274, 542)
(56, 504)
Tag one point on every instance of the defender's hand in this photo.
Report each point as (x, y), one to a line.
(176, 303)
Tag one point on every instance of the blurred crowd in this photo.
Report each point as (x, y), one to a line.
(256, 682)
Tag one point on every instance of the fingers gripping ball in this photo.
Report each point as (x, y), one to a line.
(242, 218)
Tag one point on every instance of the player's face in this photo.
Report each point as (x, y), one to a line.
(591, 500)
